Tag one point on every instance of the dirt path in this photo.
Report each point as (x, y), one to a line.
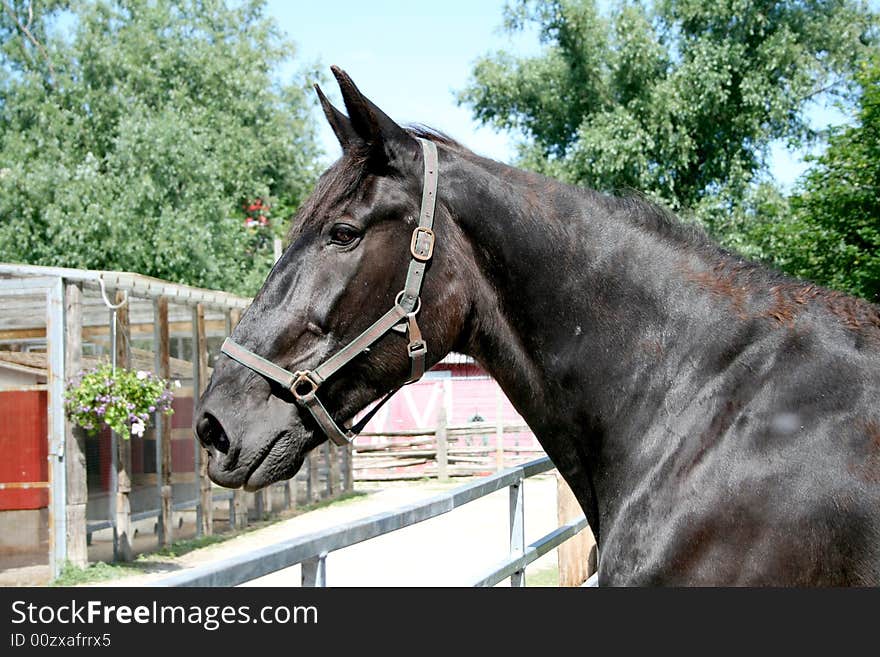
(451, 550)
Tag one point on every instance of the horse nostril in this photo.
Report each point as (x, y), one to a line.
(211, 434)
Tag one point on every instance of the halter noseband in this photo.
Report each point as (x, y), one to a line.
(304, 384)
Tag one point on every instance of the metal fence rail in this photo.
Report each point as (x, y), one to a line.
(311, 550)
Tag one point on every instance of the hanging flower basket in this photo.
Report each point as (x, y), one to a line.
(123, 400)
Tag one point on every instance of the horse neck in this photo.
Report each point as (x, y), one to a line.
(569, 313)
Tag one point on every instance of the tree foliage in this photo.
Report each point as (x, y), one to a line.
(828, 231)
(676, 98)
(135, 135)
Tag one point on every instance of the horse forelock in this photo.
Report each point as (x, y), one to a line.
(342, 180)
(335, 186)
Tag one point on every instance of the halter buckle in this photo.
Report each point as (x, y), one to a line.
(422, 245)
(298, 387)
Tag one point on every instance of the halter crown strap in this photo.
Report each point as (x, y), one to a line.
(303, 385)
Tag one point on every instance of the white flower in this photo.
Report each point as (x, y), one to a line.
(137, 428)
(142, 375)
(176, 383)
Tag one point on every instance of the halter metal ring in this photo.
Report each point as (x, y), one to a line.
(418, 307)
(303, 378)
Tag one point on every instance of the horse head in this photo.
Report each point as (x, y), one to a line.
(351, 245)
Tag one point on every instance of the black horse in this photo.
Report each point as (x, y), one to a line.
(717, 421)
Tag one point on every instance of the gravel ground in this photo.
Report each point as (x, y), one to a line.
(451, 550)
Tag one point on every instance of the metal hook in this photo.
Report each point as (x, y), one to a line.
(107, 301)
(114, 308)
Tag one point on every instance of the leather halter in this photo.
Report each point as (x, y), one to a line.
(304, 384)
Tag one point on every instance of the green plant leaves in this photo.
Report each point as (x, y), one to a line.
(124, 400)
(163, 119)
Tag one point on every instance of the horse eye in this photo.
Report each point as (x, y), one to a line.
(343, 235)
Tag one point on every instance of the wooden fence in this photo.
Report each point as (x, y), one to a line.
(442, 452)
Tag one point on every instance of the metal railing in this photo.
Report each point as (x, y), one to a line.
(311, 550)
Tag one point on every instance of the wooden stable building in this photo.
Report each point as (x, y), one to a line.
(57, 486)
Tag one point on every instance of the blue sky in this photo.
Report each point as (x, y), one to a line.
(408, 57)
(411, 57)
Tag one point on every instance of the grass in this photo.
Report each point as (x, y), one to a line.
(544, 577)
(342, 500)
(103, 571)
(179, 548)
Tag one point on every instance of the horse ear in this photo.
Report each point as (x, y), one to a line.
(377, 131)
(342, 127)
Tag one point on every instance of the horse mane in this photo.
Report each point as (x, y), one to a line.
(729, 274)
(734, 276)
(658, 220)
(422, 131)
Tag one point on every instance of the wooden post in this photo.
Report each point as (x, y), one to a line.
(499, 431)
(314, 494)
(163, 428)
(200, 368)
(575, 555)
(55, 436)
(239, 500)
(442, 446)
(239, 509)
(239, 504)
(74, 437)
(289, 496)
(325, 450)
(124, 531)
(259, 506)
(349, 468)
(333, 456)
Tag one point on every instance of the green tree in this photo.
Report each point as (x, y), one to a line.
(828, 231)
(676, 98)
(135, 135)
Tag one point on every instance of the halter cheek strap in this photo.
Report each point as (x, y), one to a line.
(304, 384)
